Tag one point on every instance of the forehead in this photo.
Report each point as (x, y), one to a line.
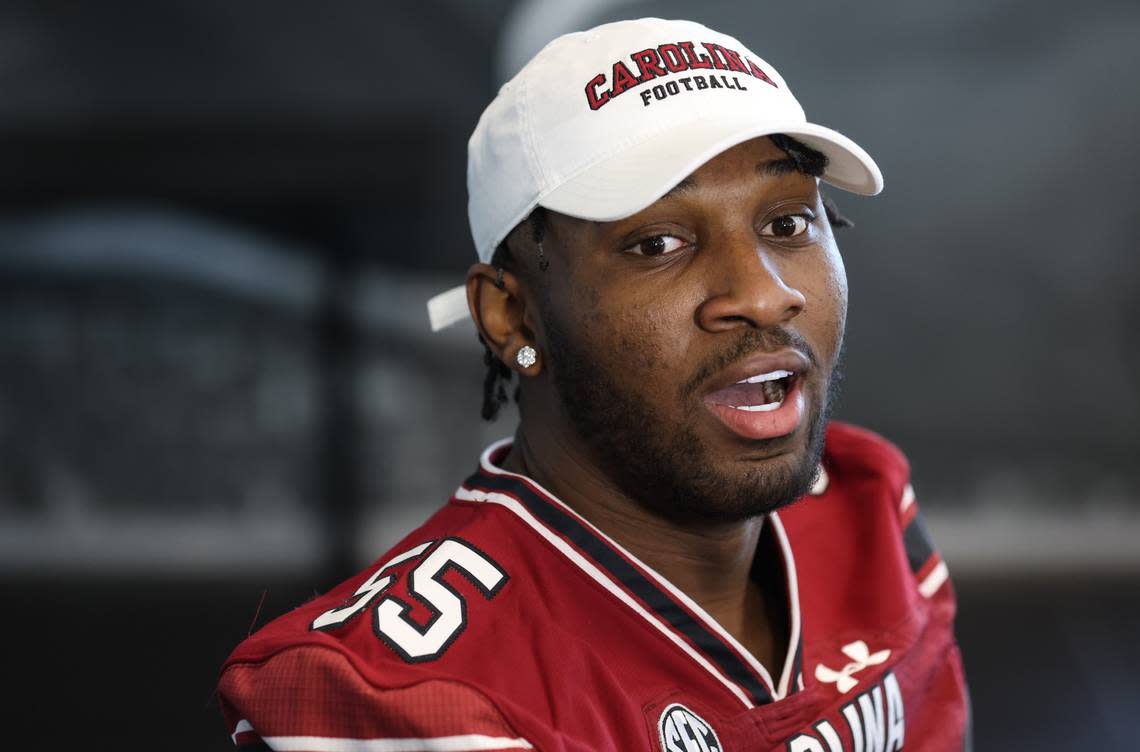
(757, 156)
(760, 147)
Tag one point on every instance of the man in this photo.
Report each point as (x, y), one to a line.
(659, 270)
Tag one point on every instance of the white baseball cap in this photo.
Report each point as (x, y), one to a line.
(602, 123)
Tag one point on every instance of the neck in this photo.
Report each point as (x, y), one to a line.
(711, 562)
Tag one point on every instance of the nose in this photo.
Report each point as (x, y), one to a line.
(748, 290)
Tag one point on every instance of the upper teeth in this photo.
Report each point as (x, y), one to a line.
(771, 376)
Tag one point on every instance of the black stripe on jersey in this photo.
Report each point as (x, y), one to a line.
(625, 573)
(968, 732)
(919, 547)
(797, 669)
(257, 746)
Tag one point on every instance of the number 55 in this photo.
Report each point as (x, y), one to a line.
(415, 643)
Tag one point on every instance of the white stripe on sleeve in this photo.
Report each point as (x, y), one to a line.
(929, 586)
(464, 743)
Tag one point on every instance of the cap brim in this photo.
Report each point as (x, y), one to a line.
(636, 176)
(447, 308)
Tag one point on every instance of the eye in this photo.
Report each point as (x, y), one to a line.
(656, 245)
(787, 226)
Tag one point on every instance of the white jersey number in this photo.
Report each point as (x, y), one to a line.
(371, 588)
(416, 643)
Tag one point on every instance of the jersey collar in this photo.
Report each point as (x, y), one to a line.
(658, 598)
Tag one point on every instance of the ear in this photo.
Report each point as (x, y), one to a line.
(499, 312)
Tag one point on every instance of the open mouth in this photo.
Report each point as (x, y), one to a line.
(760, 393)
(764, 396)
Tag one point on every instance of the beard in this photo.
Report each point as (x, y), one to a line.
(666, 467)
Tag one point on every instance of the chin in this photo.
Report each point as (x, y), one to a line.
(768, 475)
(708, 485)
(760, 489)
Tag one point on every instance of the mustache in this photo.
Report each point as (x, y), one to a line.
(750, 342)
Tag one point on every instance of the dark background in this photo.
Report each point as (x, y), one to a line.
(219, 223)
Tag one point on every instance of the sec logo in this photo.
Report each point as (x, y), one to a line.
(682, 730)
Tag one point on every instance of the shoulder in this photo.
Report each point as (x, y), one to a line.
(868, 491)
(867, 513)
(858, 454)
(412, 601)
(395, 651)
(859, 496)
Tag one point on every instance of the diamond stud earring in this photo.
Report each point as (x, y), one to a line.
(526, 356)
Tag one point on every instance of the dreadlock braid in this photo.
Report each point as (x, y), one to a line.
(494, 383)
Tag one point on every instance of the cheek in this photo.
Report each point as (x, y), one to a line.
(837, 283)
(642, 326)
(637, 332)
(827, 299)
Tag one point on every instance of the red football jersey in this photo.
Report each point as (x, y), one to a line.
(508, 621)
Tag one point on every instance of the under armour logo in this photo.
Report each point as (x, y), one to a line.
(860, 657)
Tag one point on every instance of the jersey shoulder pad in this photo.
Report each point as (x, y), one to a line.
(317, 693)
(865, 467)
(427, 609)
(858, 453)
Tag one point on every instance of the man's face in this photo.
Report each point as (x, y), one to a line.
(660, 330)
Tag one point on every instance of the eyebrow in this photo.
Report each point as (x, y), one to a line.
(769, 168)
(778, 167)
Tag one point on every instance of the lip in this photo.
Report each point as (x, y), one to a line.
(773, 424)
(777, 423)
(782, 360)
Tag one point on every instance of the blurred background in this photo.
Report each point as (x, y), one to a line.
(219, 223)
